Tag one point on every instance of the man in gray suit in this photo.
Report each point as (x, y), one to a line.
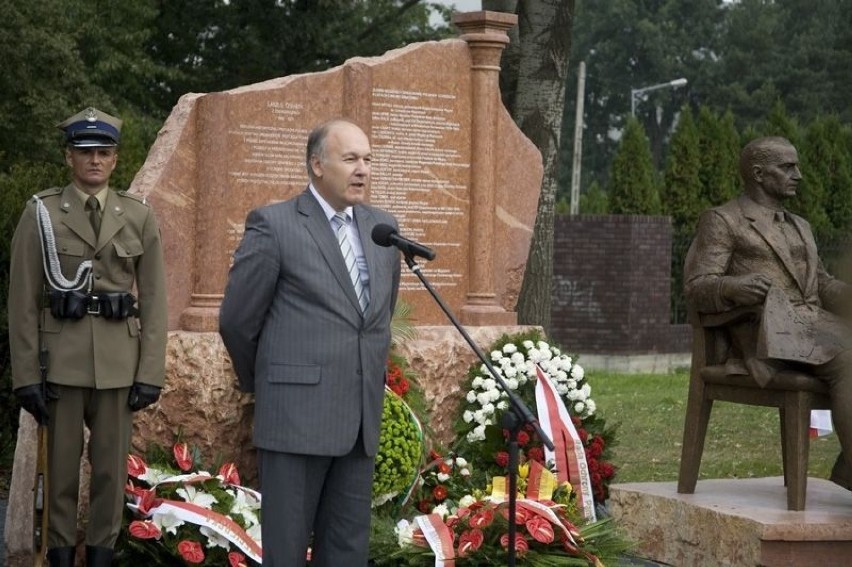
(306, 320)
(752, 251)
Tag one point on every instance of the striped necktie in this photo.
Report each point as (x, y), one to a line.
(342, 220)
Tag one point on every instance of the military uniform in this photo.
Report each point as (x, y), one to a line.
(93, 361)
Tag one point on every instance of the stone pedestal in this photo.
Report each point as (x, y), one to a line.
(739, 522)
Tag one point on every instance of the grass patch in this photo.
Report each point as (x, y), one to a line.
(742, 441)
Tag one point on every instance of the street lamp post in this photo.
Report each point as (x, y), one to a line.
(636, 93)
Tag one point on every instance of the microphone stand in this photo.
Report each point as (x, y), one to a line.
(518, 414)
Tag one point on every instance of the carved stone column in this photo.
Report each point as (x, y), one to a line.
(486, 34)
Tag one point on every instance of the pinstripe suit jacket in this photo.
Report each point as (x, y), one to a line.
(291, 323)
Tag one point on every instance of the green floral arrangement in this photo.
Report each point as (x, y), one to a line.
(400, 450)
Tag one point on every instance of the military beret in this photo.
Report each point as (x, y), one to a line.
(91, 128)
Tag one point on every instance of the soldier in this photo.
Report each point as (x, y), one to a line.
(87, 296)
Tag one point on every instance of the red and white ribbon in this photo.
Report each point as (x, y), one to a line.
(439, 538)
(222, 525)
(569, 454)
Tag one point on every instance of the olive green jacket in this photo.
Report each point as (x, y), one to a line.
(127, 256)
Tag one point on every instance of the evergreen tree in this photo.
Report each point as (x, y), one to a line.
(594, 201)
(682, 192)
(633, 188)
(825, 164)
(719, 149)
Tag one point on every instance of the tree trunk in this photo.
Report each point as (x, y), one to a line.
(535, 70)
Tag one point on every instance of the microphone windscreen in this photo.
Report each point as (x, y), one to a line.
(382, 234)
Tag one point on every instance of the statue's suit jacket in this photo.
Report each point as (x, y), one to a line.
(739, 238)
(292, 325)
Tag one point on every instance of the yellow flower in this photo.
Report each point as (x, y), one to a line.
(524, 470)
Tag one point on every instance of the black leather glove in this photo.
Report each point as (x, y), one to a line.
(32, 399)
(142, 395)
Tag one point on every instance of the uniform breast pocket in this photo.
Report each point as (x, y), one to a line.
(70, 254)
(127, 252)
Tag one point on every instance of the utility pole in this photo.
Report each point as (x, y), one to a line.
(578, 140)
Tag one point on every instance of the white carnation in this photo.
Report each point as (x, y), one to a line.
(496, 355)
(477, 382)
(404, 531)
(591, 407)
(579, 407)
(468, 416)
(578, 372)
(509, 348)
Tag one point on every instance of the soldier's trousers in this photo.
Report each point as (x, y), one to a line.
(108, 418)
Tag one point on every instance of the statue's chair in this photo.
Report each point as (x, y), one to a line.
(795, 394)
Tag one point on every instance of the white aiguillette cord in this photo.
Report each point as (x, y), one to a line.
(50, 258)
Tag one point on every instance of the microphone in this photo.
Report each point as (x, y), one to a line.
(386, 235)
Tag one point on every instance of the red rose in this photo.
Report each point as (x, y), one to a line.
(523, 438)
(521, 545)
(469, 541)
(425, 506)
(191, 551)
(594, 450)
(136, 467)
(502, 458)
(540, 529)
(144, 529)
(228, 471)
(536, 454)
(403, 386)
(443, 467)
(607, 470)
(439, 492)
(583, 435)
(182, 456)
(482, 519)
(237, 559)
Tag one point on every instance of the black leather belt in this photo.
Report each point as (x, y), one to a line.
(76, 304)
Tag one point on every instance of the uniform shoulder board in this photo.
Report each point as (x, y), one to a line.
(140, 198)
(49, 192)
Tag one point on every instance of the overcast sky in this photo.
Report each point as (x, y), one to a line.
(462, 5)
